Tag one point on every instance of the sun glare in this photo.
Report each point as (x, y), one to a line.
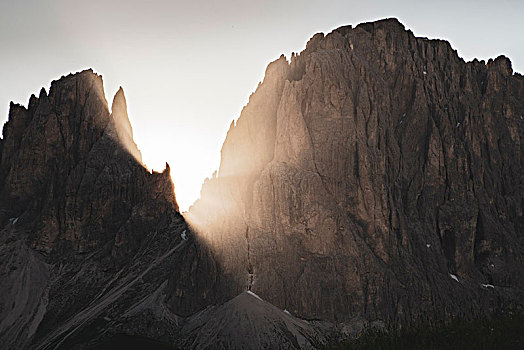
(190, 162)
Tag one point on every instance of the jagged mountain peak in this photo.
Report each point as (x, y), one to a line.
(58, 145)
(122, 124)
(81, 220)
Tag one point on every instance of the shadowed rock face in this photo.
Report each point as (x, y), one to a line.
(378, 175)
(67, 175)
(90, 241)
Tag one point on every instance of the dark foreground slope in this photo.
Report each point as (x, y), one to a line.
(375, 175)
(90, 240)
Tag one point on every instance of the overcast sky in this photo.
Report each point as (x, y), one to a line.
(188, 67)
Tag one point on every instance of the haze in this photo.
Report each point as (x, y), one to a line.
(188, 67)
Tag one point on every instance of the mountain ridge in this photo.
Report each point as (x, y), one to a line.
(373, 181)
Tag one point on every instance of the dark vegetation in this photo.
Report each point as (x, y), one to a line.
(505, 331)
(122, 341)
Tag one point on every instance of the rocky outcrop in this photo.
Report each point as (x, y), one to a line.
(248, 322)
(91, 241)
(375, 175)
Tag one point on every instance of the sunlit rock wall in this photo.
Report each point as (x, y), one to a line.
(366, 172)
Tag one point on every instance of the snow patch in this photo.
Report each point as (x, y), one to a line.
(184, 235)
(487, 285)
(287, 312)
(253, 294)
(458, 124)
(428, 245)
(13, 220)
(454, 277)
(424, 72)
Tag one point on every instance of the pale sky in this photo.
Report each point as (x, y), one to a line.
(188, 67)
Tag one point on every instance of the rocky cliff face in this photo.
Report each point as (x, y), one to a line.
(90, 240)
(69, 166)
(375, 175)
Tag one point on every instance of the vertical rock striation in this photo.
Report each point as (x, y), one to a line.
(375, 175)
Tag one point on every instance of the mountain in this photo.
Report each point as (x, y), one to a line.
(94, 253)
(88, 234)
(374, 181)
(374, 175)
